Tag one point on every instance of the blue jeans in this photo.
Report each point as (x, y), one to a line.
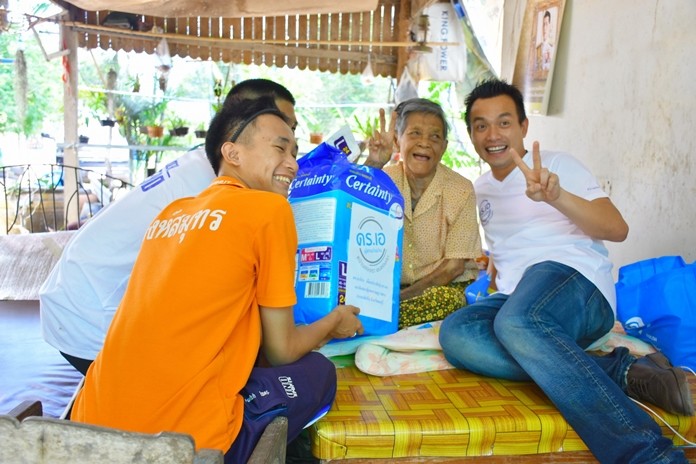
(539, 333)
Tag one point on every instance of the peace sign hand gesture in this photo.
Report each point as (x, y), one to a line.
(381, 144)
(542, 185)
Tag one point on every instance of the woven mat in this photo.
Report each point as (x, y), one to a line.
(449, 413)
(26, 260)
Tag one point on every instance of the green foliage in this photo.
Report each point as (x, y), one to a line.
(174, 121)
(44, 100)
(324, 99)
(326, 90)
(455, 157)
(199, 84)
(41, 8)
(151, 113)
(310, 121)
(368, 127)
(95, 102)
(133, 112)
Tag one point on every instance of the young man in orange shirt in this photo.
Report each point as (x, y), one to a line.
(214, 283)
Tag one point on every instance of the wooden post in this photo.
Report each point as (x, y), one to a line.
(70, 124)
(403, 28)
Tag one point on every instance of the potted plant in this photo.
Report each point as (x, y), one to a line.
(139, 121)
(316, 138)
(151, 118)
(178, 126)
(155, 131)
(201, 131)
(97, 104)
(316, 134)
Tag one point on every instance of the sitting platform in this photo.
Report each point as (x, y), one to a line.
(454, 416)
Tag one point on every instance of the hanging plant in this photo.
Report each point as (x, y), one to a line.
(201, 131)
(4, 21)
(163, 77)
(21, 86)
(111, 78)
(217, 88)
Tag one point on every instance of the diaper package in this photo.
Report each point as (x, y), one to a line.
(350, 230)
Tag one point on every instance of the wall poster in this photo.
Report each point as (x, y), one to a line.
(536, 53)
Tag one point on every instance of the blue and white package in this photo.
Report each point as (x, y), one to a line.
(349, 222)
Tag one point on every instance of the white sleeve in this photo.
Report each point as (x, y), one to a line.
(575, 177)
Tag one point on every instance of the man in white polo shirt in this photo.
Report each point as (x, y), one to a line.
(80, 296)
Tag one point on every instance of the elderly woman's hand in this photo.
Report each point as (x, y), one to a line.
(381, 145)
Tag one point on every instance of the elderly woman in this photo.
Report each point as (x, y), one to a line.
(441, 235)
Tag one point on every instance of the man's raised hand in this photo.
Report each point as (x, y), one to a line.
(542, 184)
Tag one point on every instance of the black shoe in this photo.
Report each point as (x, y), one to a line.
(299, 451)
(653, 379)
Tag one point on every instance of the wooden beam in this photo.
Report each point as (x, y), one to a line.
(418, 5)
(256, 46)
(156, 36)
(403, 27)
(26, 409)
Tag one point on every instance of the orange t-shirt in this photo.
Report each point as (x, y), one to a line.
(188, 330)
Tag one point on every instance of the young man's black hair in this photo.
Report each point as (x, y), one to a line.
(254, 88)
(492, 88)
(229, 123)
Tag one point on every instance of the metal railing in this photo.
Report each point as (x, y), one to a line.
(33, 197)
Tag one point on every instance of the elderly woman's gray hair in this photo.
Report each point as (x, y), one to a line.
(418, 105)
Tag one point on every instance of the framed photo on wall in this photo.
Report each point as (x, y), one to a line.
(537, 51)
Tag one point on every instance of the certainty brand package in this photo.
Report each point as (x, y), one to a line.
(350, 230)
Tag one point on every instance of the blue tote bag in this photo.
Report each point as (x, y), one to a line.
(656, 302)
